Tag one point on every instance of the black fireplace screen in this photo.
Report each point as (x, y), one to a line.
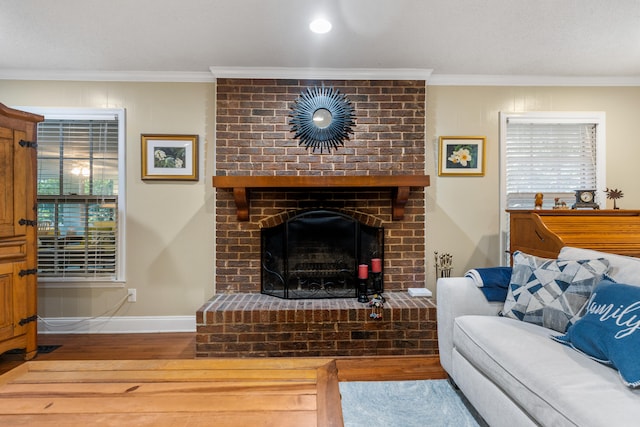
(316, 254)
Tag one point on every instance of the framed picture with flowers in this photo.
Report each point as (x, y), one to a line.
(170, 157)
(461, 156)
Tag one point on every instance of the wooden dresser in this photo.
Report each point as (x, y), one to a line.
(18, 228)
(545, 232)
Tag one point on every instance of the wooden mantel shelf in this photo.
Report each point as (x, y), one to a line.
(399, 184)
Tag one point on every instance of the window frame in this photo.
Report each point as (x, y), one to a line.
(53, 113)
(574, 117)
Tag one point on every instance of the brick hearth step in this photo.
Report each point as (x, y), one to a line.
(253, 325)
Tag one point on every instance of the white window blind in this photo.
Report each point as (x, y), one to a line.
(550, 158)
(78, 197)
(553, 153)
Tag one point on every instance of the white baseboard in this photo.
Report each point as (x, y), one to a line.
(116, 325)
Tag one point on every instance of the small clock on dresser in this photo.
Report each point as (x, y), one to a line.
(585, 199)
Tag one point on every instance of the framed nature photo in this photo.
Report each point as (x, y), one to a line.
(461, 156)
(170, 157)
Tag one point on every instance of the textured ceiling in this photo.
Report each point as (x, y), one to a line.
(565, 38)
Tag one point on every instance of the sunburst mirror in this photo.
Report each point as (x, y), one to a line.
(322, 118)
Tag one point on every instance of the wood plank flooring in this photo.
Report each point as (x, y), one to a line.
(110, 347)
(154, 379)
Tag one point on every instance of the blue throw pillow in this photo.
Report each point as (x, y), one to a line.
(609, 332)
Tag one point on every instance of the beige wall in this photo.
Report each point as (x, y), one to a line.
(170, 225)
(169, 244)
(463, 212)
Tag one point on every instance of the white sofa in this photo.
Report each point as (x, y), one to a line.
(515, 375)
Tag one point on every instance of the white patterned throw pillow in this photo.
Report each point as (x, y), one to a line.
(551, 293)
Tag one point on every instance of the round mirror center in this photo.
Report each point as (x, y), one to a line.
(322, 118)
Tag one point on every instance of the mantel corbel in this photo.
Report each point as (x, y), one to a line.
(400, 186)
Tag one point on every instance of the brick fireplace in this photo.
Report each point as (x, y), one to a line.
(253, 138)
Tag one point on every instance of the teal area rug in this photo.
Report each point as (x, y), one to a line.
(404, 404)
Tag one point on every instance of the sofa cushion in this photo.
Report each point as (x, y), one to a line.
(622, 269)
(549, 292)
(552, 383)
(608, 332)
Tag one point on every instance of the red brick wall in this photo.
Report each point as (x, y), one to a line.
(253, 138)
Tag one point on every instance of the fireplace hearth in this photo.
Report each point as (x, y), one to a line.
(316, 254)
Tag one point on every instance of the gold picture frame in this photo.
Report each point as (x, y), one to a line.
(169, 157)
(461, 156)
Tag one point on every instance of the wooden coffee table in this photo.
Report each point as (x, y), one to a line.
(223, 392)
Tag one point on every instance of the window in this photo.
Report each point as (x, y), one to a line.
(549, 153)
(80, 195)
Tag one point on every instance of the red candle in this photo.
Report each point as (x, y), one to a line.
(376, 265)
(363, 271)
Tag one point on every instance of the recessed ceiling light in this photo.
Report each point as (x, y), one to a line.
(320, 26)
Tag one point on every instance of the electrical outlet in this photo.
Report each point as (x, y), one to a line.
(131, 295)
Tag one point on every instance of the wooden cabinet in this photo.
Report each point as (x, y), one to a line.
(18, 231)
(545, 232)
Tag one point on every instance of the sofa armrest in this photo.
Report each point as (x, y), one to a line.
(458, 296)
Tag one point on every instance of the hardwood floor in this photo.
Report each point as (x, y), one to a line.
(120, 346)
(106, 379)
(182, 346)
(110, 347)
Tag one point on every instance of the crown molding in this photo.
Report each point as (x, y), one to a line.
(108, 76)
(511, 80)
(321, 73)
(317, 74)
